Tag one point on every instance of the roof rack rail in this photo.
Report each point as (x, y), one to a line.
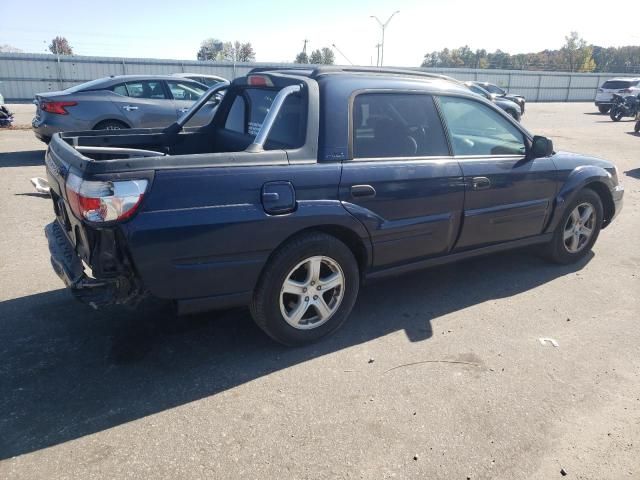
(275, 69)
(397, 71)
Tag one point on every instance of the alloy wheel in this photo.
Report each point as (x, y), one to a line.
(312, 292)
(579, 227)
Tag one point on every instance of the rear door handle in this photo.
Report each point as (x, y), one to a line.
(359, 191)
(184, 110)
(480, 183)
(128, 108)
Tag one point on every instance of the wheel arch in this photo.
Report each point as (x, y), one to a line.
(111, 119)
(359, 246)
(589, 176)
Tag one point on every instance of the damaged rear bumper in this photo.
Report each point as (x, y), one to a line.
(120, 290)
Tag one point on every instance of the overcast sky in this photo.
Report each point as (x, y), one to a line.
(174, 29)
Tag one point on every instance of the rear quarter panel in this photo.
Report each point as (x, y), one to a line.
(204, 232)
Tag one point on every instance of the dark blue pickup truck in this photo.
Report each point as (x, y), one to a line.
(305, 184)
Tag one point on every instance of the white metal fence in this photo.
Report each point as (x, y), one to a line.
(23, 75)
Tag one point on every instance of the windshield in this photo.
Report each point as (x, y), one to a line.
(617, 84)
(479, 91)
(493, 89)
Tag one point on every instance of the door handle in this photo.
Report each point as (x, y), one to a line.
(184, 110)
(480, 183)
(128, 108)
(362, 191)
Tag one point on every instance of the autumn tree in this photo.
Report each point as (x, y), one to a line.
(60, 46)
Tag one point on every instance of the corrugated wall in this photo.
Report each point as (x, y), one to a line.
(23, 75)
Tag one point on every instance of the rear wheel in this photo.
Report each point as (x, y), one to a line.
(636, 128)
(603, 108)
(578, 230)
(307, 289)
(110, 125)
(616, 114)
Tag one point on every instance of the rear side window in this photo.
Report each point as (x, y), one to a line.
(185, 90)
(618, 84)
(250, 108)
(397, 125)
(120, 90)
(146, 89)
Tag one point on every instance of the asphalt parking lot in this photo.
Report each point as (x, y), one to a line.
(437, 375)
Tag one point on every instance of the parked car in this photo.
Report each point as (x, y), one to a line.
(117, 102)
(511, 107)
(498, 92)
(622, 86)
(208, 80)
(305, 184)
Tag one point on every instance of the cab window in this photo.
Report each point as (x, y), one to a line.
(477, 129)
(397, 125)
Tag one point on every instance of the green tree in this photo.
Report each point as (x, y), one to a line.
(577, 54)
(210, 49)
(60, 46)
(328, 57)
(302, 57)
(246, 53)
(316, 57)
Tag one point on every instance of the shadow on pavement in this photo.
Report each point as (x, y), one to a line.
(635, 173)
(30, 158)
(67, 371)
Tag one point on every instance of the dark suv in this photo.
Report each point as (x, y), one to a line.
(305, 184)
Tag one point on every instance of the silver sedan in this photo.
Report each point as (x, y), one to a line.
(126, 101)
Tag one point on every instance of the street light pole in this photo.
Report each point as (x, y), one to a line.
(383, 26)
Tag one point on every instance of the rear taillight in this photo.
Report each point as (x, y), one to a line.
(58, 108)
(98, 201)
(259, 81)
(626, 90)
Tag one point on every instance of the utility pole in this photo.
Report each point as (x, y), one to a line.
(378, 45)
(383, 26)
(304, 48)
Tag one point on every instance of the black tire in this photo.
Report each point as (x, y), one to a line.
(265, 306)
(616, 114)
(636, 128)
(111, 125)
(604, 108)
(557, 250)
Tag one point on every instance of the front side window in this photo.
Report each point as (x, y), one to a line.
(146, 89)
(185, 90)
(477, 129)
(397, 125)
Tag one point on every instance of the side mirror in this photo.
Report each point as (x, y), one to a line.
(541, 147)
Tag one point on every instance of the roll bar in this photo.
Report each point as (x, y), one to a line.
(269, 120)
(188, 115)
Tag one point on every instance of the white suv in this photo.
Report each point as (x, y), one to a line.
(622, 86)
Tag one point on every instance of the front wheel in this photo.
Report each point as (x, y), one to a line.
(578, 230)
(307, 289)
(616, 114)
(603, 108)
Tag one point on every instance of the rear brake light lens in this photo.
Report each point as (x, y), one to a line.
(58, 108)
(98, 201)
(626, 90)
(260, 81)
